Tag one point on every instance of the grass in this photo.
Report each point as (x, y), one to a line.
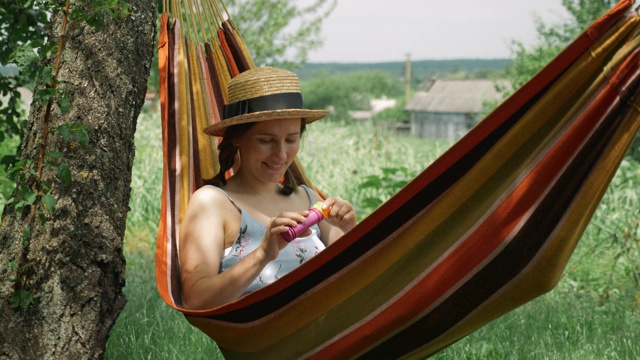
(560, 325)
(592, 314)
(340, 158)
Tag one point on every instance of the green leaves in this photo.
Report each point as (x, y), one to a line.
(42, 96)
(55, 154)
(376, 189)
(28, 61)
(64, 173)
(26, 235)
(63, 101)
(60, 96)
(392, 177)
(278, 32)
(82, 136)
(49, 203)
(25, 196)
(21, 299)
(69, 131)
(25, 57)
(552, 39)
(99, 11)
(65, 131)
(19, 172)
(350, 91)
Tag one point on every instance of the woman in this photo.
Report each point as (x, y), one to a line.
(230, 240)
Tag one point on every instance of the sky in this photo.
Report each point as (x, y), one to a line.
(391, 30)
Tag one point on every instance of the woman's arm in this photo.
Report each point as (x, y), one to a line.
(202, 241)
(202, 238)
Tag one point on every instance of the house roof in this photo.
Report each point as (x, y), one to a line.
(454, 96)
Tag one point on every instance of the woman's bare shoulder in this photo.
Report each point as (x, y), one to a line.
(211, 199)
(210, 216)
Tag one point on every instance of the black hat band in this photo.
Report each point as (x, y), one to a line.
(279, 101)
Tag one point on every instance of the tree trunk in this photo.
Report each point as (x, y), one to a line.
(70, 271)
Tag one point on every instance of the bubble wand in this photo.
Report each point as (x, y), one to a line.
(316, 214)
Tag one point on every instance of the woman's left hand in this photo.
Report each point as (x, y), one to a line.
(342, 213)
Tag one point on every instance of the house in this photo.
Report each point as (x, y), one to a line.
(375, 105)
(448, 108)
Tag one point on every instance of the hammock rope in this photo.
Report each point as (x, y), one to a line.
(489, 226)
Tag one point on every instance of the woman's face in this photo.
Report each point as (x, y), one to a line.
(268, 148)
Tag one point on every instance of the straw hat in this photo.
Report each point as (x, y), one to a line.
(260, 94)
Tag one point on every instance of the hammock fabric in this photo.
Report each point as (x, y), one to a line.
(487, 227)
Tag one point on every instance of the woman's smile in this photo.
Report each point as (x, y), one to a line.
(274, 167)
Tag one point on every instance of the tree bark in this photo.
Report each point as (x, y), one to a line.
(73, 263)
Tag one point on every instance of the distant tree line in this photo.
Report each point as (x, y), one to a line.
(420, 69)
(350, 86)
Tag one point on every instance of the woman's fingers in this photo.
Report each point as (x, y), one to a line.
(342, 213)
(286, 220)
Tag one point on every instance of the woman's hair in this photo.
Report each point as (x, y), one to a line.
(227, 154)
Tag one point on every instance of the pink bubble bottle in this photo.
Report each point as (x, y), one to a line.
(316, 214)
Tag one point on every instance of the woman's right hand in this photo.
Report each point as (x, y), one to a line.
(273, 241)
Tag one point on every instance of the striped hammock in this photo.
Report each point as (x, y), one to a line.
(487, 227)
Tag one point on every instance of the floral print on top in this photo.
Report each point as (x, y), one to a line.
(251, 233)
